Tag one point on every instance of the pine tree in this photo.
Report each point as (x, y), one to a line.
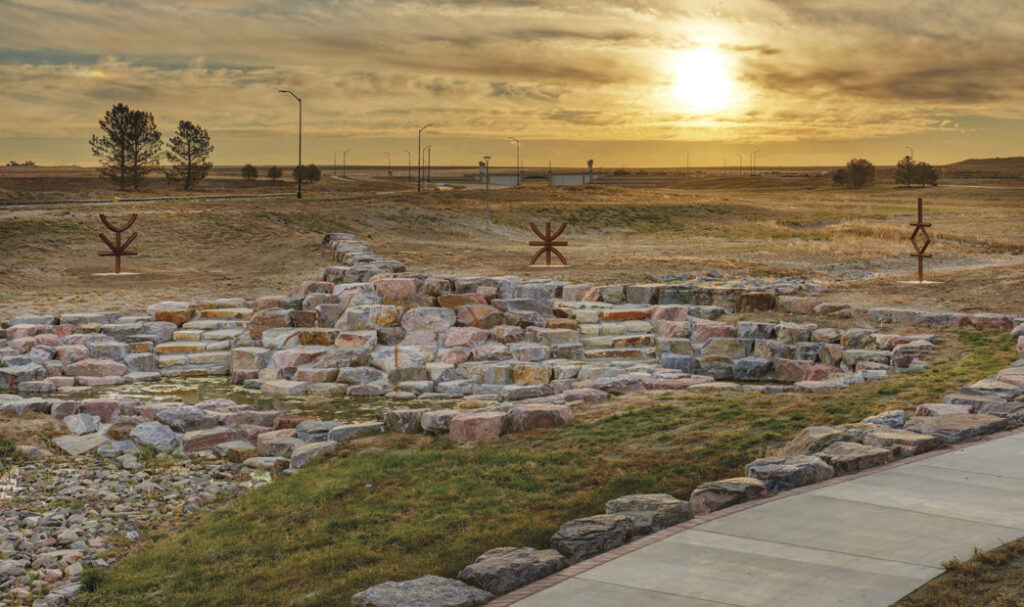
(130, 146)
(190, 151)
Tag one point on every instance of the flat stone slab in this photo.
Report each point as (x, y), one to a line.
(586, 537)
(502, 570)
(650, 512)
(956, 427)
(717, 495)
(427, 591)
(847, 458)
(785, 472)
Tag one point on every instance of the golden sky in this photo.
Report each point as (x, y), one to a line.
(644, 83)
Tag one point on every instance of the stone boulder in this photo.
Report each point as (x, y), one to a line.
(405, 420)
(586, 537)
(156, 435)
(477, 426)
(534, 416)
(427, 591)
(902, 443)
(717, 495)
(178, 312)
(81, 423)
(437, 319)
(502, 570)
(307, 453)
(437, 422)
(955, 427)
(785, 472)
(312, 430)
(199, 440)
(346, 432)
(77, 445)
(893, 419)
(847, 457)
(813, 439)
(96, 367)
(185, 418)
(650, 512)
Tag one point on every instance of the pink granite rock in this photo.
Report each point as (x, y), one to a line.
(105, 409)
(437, 319)
(313, 286)
(534, 416)
(96, 367)
(465, 337)
(178, 312)
(477, 315)
(473, 427)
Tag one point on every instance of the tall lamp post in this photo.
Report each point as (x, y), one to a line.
(518, 173)
(299, 195)
(344, 162)
(487, 192)
(419, 152)
(741, 164)
(430, 152)
(753, 160)
(408, 173)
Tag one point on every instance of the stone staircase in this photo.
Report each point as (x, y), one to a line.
(202, 346)
(613, 333)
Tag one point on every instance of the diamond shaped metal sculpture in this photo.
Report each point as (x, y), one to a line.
(548, 243)
(920, 239)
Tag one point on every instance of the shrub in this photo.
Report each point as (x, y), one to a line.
(249, 172)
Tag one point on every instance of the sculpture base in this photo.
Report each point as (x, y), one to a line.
(919, 282)
(105, 274)
(544, 267)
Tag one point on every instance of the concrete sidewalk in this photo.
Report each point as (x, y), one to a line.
(867, 541)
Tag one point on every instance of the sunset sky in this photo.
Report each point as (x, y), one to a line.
(806, 82)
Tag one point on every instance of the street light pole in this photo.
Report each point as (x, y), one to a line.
(344, 163)
(741, 164)
(430, 153)
(299, 195)
(518, 172)
(487, 192)
(753, 160)
(419, 155)
(408, 173)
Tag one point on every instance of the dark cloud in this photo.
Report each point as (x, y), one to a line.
(538, 93)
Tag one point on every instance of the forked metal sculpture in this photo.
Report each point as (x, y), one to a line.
(548, 243)
(118, 249)
(920, 234)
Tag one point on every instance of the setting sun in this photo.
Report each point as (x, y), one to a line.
(702, 80)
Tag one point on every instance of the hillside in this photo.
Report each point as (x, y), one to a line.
(985, 168)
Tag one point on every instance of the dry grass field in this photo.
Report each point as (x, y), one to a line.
(759, 226)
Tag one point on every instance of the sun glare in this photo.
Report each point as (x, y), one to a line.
(702, 80)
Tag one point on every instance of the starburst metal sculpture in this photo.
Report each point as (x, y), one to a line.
(118, 249)
(548, 243)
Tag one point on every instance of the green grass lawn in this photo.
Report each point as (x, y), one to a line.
(426, 506)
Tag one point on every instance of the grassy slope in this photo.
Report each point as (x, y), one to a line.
(425, 506)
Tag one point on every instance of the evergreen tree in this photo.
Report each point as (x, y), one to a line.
(130, 146)
(190, 151)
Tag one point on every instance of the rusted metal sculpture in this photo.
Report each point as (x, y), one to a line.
(920, 239)
(548, 243)
(118, 249)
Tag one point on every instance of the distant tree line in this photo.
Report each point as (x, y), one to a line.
(909, 172)
(310, 173)
(15, 163)
(859, 172)
(130, 148)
